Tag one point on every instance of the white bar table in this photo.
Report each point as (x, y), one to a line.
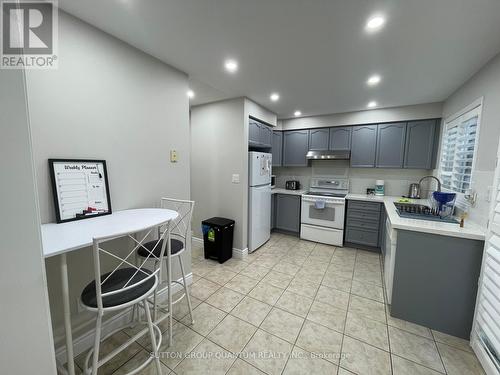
(60, 239)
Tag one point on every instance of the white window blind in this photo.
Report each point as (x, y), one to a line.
(458, 151)
(486, 332)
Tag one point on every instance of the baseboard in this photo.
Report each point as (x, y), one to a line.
(240, 254)
(85, 341)
(237, 253)
(197, 240)
(362, 247)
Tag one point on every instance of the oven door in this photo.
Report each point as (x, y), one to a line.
(323, 212)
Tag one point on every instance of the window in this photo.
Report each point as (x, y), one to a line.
(458, 150)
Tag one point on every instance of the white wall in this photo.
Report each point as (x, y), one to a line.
(255, 110)
(25, 328)
(406, 113)
(108, 101)
(217, 149)
(486, 84)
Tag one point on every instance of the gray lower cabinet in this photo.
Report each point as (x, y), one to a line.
(381, 230)
(435, 281)
(277, 148)
(420, 144)
(288, 212)
(319, 139)
(391, 145)
(364, 146)
(295, 147)
(340, 138)
(273, 211)
(363, 223)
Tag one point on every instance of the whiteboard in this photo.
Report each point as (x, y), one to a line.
(80, 189)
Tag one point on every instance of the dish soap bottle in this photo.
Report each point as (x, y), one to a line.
(379, 187)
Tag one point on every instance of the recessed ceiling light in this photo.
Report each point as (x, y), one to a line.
(275, 97)
(373, 80)
(190, 94)
(231, 66)
(297, 113)
(372, 104)
(375, 23)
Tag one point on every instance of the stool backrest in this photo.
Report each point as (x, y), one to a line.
(179, 227)
(145, 273)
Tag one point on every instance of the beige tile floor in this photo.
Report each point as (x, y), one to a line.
(296, 307)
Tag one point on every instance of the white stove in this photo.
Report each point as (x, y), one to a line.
(323, 211)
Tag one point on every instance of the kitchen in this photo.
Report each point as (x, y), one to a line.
(346, 153)
(324, 210)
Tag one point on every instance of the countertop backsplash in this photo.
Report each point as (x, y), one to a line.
(396, 180)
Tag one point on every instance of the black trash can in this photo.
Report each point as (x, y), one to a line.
(218, 238)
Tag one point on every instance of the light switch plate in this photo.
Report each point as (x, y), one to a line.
(235, 179)
(173, 156)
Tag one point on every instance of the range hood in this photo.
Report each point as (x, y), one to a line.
(329, 155)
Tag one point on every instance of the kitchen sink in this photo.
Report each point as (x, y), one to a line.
(421, 212)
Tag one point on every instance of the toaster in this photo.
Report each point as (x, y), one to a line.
(292, 185)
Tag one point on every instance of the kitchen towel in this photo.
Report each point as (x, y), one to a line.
(319, 204)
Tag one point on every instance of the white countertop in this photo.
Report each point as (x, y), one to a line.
(285, 191)
(65, 237)
(470, 230)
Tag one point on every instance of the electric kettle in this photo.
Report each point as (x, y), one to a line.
(414, 191)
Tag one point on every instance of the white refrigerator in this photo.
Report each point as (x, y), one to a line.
(259, 199)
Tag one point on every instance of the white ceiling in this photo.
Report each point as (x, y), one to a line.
(315, 53)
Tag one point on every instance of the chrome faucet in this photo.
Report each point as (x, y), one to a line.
(430, 176)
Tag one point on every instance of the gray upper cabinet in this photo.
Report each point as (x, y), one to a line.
(420, 144)
(253, 132)
(340, 138)
(364, 146)
(259, 134)
(319, 139)
(266, 135)
(277, 148)
(410, 144)
(295, 147)
(391, 145)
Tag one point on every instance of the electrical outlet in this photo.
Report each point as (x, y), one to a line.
(235, 179)
(173, 156)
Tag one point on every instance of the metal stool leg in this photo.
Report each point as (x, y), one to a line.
(153, 338)
(169, 291)
(184, 284)
(155, 306)
(135, 308)
(97, 343)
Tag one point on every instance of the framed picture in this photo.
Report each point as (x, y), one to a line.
(80, 189)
